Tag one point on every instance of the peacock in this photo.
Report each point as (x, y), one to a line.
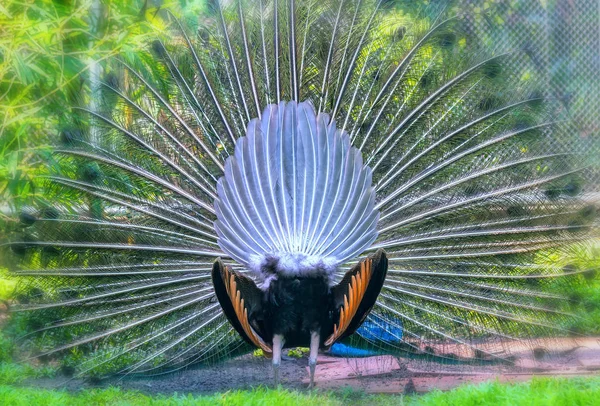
(301, 173)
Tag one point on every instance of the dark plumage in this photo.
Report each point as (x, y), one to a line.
(295, 315)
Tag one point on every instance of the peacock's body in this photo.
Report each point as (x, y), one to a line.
(342, 160)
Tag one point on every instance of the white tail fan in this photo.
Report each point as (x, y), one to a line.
(296, 196)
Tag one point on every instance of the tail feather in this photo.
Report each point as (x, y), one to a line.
(468, 186)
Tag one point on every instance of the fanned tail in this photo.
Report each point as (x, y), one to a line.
(468, 185)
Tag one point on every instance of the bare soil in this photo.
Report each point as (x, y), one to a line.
(379, 374)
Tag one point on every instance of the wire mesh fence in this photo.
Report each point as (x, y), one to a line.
(562, 40)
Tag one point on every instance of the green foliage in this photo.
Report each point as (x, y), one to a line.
(46, 54)
(7, 348)
(7, 285)
(12, 373)
(582, 262)
(298, 352)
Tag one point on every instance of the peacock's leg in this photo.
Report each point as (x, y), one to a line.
(312, 356)
(277, 346)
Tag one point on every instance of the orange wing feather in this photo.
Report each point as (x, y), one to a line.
(356, 291)
(241, 312)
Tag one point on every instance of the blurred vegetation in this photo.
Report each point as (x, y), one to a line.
(582, 263)
(46, 50)
(46, 53)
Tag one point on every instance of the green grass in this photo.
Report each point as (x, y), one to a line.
(540, 391)
(11, 373)
(113, 396)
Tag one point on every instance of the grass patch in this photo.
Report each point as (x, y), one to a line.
(12, 373)
(114, 396)
(540, 391)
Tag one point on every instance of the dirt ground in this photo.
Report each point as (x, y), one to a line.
(379, 374)
(243, 372)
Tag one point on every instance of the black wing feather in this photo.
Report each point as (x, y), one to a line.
(236, 290)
